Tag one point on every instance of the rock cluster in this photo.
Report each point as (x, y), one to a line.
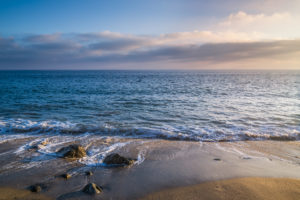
(75, 151)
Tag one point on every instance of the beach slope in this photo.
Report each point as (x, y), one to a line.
(241, 188)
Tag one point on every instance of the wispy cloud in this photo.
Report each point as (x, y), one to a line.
(236, 39)
(68, 52)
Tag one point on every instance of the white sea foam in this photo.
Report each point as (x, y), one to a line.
(141, 157)
(14, 129)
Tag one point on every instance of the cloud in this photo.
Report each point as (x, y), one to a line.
(41, 38)
(240, 39)
(218, 52)
(66, 52)
(273, 26)
(118, 44)
(270, 6)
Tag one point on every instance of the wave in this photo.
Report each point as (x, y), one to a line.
(52, 127)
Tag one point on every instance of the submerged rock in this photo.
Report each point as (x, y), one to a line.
(72, 151)
(92, 188)
(116, 159)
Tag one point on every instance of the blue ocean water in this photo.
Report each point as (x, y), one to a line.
(178, 105)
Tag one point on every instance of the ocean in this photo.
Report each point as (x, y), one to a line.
(172, 105)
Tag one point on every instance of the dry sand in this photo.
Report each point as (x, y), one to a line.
(240, 188)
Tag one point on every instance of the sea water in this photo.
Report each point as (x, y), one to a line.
(171, 105)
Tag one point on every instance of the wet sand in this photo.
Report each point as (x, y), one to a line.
(241, 188)
(18, 194)
(162, 165)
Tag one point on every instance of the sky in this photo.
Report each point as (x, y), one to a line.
(143, 34)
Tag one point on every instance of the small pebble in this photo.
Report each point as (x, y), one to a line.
(246, 158)
(66, 176)
(35, 188)
(89, 173)
(92, 188)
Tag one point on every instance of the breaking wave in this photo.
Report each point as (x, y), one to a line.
(27, 127)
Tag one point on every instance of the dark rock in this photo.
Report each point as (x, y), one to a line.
(116, 159)
(89, 173)
(34, 147)
(35, 188)
(92, 188)
(72, 151)
(66, 176)
(217, 159)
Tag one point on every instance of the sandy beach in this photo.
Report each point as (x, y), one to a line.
(19, 194)
(150, 100)
(167, 169)
(240, 188)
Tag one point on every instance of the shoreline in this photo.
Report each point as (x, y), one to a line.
(166, 165)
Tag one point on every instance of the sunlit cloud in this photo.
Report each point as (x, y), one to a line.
(71, 52)
(240, 37)
(274, 26)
